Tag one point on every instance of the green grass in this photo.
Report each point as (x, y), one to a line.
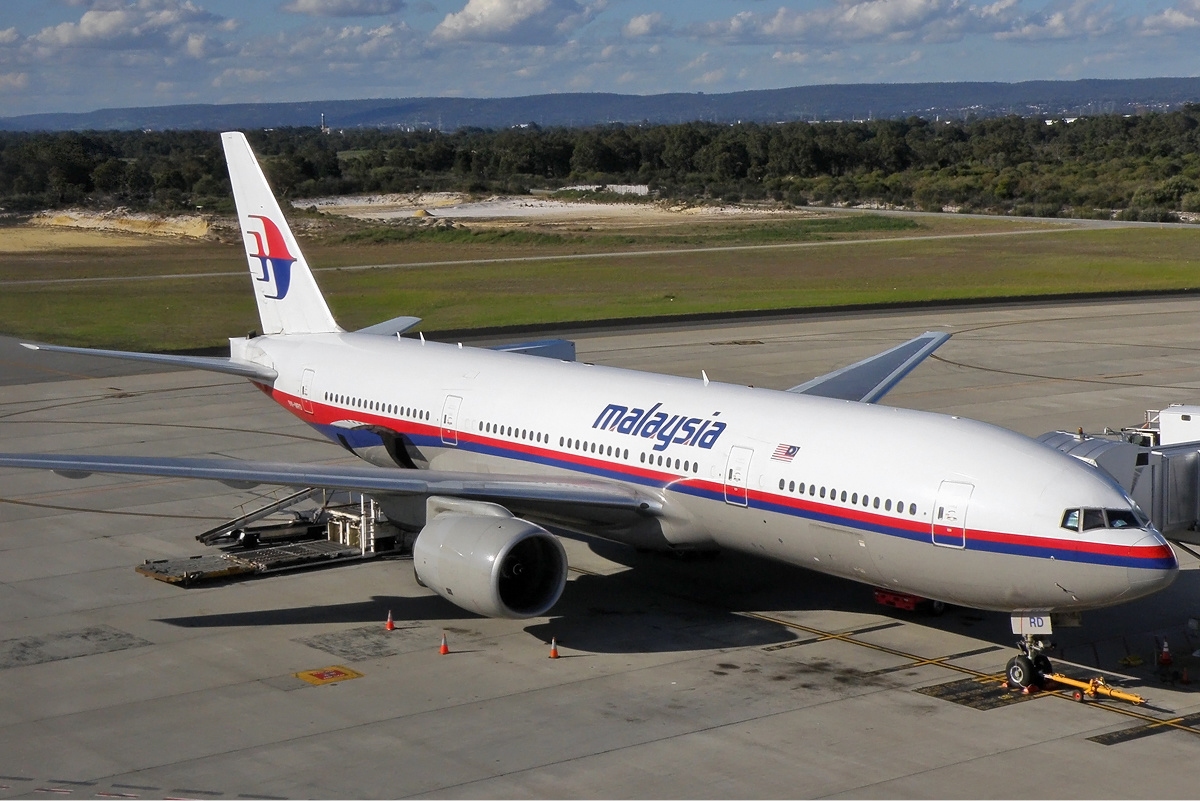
(181, 313)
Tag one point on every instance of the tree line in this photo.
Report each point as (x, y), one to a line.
(1144, 166)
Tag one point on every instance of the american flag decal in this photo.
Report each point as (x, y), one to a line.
(785, 452)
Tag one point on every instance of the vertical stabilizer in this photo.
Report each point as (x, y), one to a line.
(289, 301)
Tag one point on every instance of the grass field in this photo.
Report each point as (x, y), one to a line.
(173, 313)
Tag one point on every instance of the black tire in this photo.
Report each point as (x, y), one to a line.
(1041, 665)
(937, 608)
(1078, 696)
(1020, 672)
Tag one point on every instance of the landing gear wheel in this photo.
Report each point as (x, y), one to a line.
(937, 608)
(1041, 665)
(1020, 672)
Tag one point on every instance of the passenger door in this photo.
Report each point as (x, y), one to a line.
(950, 514)
(449, 424)
(737, 473)
(306, 383)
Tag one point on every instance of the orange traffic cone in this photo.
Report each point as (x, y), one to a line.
(1164, 658)
(554, 648)
(1184, 679)
(390, 626)
(445, 649)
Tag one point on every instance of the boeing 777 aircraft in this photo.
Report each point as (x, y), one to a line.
(481, 449)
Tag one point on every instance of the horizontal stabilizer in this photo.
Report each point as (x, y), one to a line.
(389, 328)
(214, 364)
(550, 348)
(871, 379)
(504, 489)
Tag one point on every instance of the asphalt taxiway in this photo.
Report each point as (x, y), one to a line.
(722, 678)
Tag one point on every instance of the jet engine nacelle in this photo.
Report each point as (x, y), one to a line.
(481, 558)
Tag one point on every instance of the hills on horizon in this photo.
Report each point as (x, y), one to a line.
(827, 102)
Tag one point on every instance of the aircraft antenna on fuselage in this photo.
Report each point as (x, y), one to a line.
(289, 301)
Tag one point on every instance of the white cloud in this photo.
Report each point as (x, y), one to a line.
(13, 81)
(9, 36)
(239, 76)
(521, 22)
(645, 25)
(794, 57)
(846, 21)
(1183, 16)
(1077, 19)
(143, 24)
(343, 8)
(710, 77)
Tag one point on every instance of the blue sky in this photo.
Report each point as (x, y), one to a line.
(80, 55)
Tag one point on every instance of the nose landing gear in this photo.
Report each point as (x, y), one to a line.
(1031, 666)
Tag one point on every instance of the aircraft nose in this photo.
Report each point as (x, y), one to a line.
(1160, 566)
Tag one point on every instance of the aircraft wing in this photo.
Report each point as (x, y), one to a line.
(214, 364)
(551, 496)
(869, 380)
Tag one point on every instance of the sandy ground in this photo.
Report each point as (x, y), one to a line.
(449, 205)
(30, 239)
(122, 220)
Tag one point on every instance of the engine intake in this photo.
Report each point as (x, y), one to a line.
(481, 558)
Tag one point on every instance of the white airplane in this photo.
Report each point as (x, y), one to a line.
(479, 449)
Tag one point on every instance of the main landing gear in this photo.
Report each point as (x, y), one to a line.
(1031, 666)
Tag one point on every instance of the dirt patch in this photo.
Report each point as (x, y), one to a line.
(121, 220)
(501, 209)
(29, 239)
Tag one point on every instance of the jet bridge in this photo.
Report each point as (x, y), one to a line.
(1157, 462)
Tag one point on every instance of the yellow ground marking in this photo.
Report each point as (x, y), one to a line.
(328, 675)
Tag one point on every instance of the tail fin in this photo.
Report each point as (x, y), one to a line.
(289, 301)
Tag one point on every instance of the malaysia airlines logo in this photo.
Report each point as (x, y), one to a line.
(662, 426)
(273, 256)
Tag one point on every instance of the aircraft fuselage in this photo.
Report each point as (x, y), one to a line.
(934, 505)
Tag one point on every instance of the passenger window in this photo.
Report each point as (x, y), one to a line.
(887, 505)
(1093, 518)
(781, 483)
(643, 457)
(1070, 520)
(626, 456)
(912, 508)
(822, 492)
(844, 496)
(853, 499)
(791, 486)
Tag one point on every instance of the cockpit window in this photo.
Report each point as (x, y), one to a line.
(1103, 518)
(1122, 518)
